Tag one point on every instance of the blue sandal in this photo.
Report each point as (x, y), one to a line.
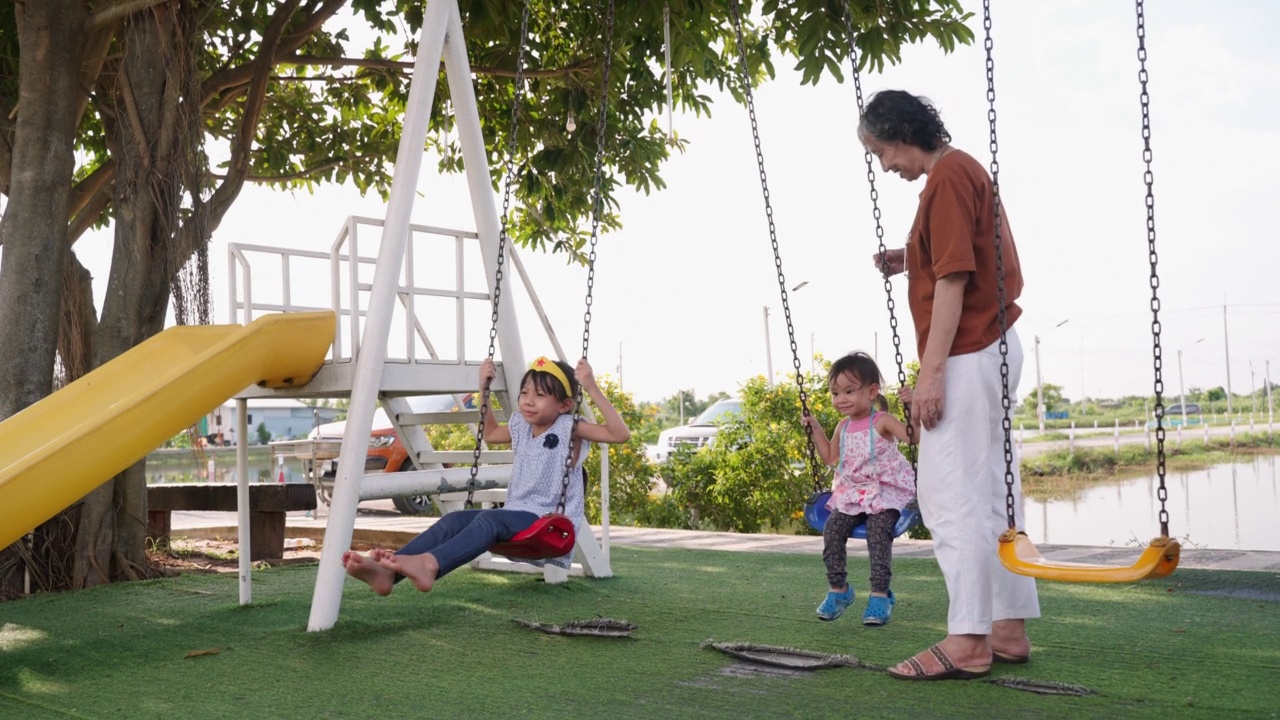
(835, 604)
(878, 610)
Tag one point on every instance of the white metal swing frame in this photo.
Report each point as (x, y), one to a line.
(441, 39)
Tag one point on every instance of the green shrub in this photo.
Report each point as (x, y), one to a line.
(631, 475)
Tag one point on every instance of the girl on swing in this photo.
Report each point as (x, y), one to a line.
(539, 435)
(873, 483)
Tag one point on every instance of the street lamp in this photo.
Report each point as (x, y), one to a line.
(1039, 382)
(798, 287)
(1182, 397)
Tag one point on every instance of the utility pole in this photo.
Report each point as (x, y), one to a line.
(1253, 393)
(1082, 405)
(1039, 388)
(768, 351)
(1270, 412)
(1226, 346)
(1039, 383)
(1182, 398)
(619, 366)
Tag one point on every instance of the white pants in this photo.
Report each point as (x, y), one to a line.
(962, 493)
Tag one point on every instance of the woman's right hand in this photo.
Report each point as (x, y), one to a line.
(894, 262)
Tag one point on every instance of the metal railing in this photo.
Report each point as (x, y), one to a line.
(344, 266)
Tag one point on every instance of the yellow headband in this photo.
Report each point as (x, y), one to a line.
(549, 366)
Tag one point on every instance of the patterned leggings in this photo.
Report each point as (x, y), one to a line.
(835, 537)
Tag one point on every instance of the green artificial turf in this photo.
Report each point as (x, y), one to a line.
(1198, 644)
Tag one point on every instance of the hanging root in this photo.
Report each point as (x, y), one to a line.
(596, 627)
(785, 657)
(1043, 687)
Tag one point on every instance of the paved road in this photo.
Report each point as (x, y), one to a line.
(378, 523)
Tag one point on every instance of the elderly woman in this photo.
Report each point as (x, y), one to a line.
(955, 303)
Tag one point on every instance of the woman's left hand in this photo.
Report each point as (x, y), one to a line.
(927, 399)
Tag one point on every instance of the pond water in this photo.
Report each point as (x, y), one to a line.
(1225, 507)
(185, 468)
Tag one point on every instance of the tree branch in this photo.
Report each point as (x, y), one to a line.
(308, 172)
(90, 212)
(580, 66)
(121, 11)
(242, 144)
(83, 191)
(240, 75)
(133, 119)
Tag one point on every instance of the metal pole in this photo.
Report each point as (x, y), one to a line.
(768, 352)
(242, 499)
(327, 597)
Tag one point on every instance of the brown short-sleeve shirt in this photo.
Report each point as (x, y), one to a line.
(954, 232)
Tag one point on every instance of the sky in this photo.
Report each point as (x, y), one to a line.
(682, 289)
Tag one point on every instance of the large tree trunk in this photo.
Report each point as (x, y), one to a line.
(155, 142)
(51, 38)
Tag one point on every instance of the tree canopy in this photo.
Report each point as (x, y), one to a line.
(287, 96)
(150, 116)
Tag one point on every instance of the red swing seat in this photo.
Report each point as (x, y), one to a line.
(550, 536)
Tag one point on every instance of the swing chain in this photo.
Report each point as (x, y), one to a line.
(875, 213)
(1157, 352)
(1005, 398)
(509, 171)
(597, 209)
(773, 239)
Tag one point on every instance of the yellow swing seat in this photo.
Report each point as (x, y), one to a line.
(1020, 555)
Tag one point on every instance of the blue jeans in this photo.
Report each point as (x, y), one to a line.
(463, 535)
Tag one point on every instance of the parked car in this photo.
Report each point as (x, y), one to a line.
(698, 433)
(1173, 416)
(386, 452)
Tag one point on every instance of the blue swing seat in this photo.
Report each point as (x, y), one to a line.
(816, 513)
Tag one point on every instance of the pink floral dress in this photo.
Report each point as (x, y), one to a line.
(872, 475)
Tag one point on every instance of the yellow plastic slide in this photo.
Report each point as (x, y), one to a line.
(56, 451)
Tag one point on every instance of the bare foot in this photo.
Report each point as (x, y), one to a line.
(421, 570)
(371, 573)
(1009, 639)
(380, 554)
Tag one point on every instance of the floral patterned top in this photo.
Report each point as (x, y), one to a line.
(872, 476)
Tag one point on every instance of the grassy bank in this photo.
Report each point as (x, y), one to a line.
(1061, 473)
(1198, 644)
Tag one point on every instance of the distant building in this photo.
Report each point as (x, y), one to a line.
(284, 418)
